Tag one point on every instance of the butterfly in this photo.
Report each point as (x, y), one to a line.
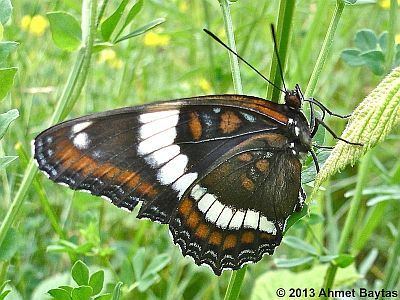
(222, 171)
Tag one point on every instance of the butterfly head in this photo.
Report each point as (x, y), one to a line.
(294, 98)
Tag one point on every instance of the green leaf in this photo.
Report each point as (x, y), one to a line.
(142, 29)
(1, 31)
(3, 285)
(80, 273)
(110, 24)
(157, 264)
(352, 57)
(309, 173)
(116, 295)
(67, 288)
(343, 260)
(101, 46)
(147, 282)
(6, 80)
(375, 60)
(138, 263)
(5, 11)
(65, 30)
(294, 217)
(4, 294)
(266, 285)
(383, 40)
(6, 119)
(397, 57)
(12, 242)
(96, 281)
(294, 262)
(6, 160)
(136, 8)
(299, 244)
(366, 40)
(59, 294)
(6, 48)
(327, 258)
(82, 293)
(315, 219)
(369, 124)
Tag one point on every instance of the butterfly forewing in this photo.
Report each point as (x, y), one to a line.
(217, 169)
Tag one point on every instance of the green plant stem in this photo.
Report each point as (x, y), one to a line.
(391, 35)
(236, 280)
(237, 82)
(102, 9)
(75, 81)
(51, 216)
(210, 49)
(6, 185)
(235, 283)
(351, 218)
(327, 44)
(283, 30)
(392, 273)
(307, 44)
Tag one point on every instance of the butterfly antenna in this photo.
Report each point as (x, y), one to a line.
(243, 60)
(277, 55)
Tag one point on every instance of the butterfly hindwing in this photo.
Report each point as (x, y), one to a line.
(237, 212)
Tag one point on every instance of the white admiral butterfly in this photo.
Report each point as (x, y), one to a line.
(223, 171)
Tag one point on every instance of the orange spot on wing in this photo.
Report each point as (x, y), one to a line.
(275, 115)
(230, 241)
(262, 165)
(147, 189)
(202, 231)
(195, 126)
(229, 122)
(245, 156)
(131, 179)
(247, 237)
(193, 219)
(247, 183)
(276, 140)
(268, 109)
(266, 236)
(186, 206)
(215, 238)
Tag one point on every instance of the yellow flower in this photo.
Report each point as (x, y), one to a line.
(204, 84)
(109, 56)
(38, 25)
(25, 22)
(385, 4)
(35, 25)
(153, 39)
(397, 39)
(183, 7)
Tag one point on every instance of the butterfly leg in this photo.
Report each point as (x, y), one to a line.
(318, 121)
(325, 109)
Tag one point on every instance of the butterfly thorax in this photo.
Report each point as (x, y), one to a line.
(297, 125)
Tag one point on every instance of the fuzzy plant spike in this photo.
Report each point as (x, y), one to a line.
(369, 124)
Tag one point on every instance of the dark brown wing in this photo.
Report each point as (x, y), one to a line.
(238, 212)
